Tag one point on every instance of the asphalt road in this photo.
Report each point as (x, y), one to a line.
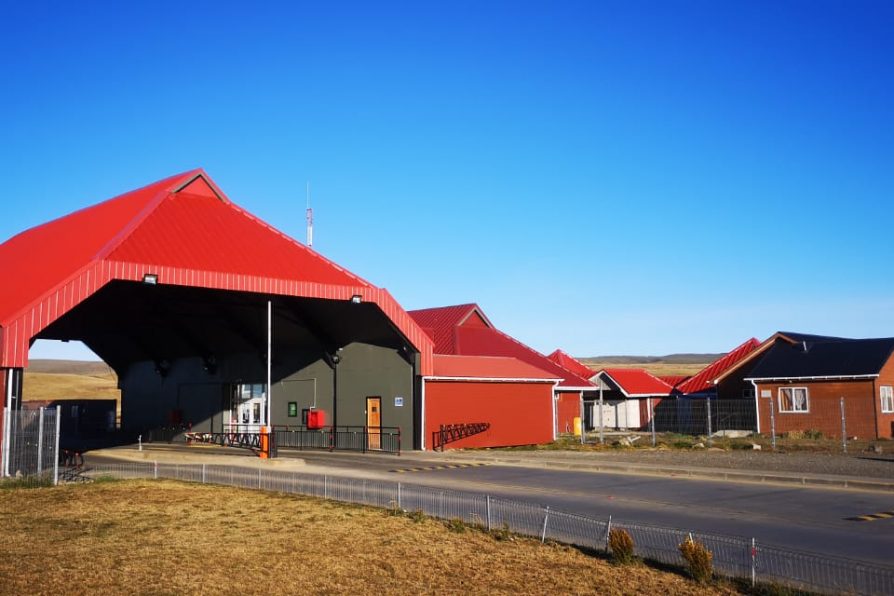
(802, 518)
(811, 519)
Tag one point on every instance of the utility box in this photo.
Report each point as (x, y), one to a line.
(316, 419)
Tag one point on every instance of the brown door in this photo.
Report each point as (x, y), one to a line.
(374, 421)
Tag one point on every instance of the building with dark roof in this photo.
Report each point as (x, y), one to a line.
(804, 382)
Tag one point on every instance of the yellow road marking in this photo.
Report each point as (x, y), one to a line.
(440, 467)
(873, 516)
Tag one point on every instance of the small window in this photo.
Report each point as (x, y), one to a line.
(293, 409)
(793, 399)
(748, 393)
(887, 395)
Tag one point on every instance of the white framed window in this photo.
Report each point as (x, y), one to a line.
(886, 393)
(794, 400)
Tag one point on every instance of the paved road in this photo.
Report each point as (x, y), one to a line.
(803, 518)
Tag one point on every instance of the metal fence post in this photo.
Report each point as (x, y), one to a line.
(843, 428)
(753, 562)
(608, 531)
(582, 425)
(7, 435)
(40, 442)
(601, 420)
(155, 473)
(652, 423)
(772, 424)
(259, 478)
(708, 416)
(487, 510)
(399, 504)
(545, 520)
(325, 487)
(203, 473)
(56, 446)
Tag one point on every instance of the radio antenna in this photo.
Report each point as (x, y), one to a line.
(309, 214)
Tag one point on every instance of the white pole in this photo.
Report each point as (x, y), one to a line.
(40, 442)
(7, 422)
(269, 358)
(56, 447)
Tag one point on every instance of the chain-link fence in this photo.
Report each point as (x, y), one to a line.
(30, 449)
(734, 557)
(833, 424)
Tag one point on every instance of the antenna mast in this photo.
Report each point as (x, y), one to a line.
(309, 214)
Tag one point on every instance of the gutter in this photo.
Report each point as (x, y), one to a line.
(816, 378)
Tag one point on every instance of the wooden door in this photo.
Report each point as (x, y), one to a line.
(374, 421)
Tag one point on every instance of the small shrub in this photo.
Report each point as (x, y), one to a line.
(417, 516)
(699, 559)
(502, 534)
(620, 543)
(26, 482)
(456, 525)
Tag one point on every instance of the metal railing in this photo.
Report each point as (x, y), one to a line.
(448, 433)
(30, 448)
(385, 439)
(734, 557)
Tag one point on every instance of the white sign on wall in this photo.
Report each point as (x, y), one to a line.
(766, 393)
(398, 402)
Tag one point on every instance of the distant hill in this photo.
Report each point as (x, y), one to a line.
(672, 364)
(669, 359)
(88, 368)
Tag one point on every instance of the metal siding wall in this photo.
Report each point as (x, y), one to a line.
(519, 413)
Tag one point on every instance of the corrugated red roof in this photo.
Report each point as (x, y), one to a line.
(441, 322)
(569, 362)
(186, 231)
(458, 330)
(636, 382)
(704, 380)
(673, 380)
(488, 367)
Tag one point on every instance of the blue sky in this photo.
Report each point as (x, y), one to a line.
(605, 177)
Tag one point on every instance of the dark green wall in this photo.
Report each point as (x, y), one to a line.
(363, 370)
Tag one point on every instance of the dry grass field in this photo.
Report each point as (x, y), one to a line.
(656, 368)
(161, 537)
(54, 380)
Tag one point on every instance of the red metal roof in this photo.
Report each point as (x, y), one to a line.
(186, 231)
(636, 382)
(441, 322)
(458, 330)
(673, 380)
(704, 380)
(488, 367)
(569, 362)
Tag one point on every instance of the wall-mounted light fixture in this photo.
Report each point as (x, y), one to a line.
(150, 279)
(356, 299)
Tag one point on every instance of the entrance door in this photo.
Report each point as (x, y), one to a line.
(247, 413)
(374, 421)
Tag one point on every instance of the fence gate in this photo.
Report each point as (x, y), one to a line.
(31, 444)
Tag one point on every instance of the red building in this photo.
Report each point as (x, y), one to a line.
(213, 318)
(464, 330)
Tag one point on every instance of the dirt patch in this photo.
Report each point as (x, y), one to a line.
(162, 537)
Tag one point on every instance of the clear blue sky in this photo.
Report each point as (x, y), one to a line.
(605, 177)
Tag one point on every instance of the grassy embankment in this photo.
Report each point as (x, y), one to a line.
(167, 537)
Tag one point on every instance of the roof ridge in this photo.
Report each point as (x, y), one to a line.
(294, 242)
(150, 206)
(527, 347)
